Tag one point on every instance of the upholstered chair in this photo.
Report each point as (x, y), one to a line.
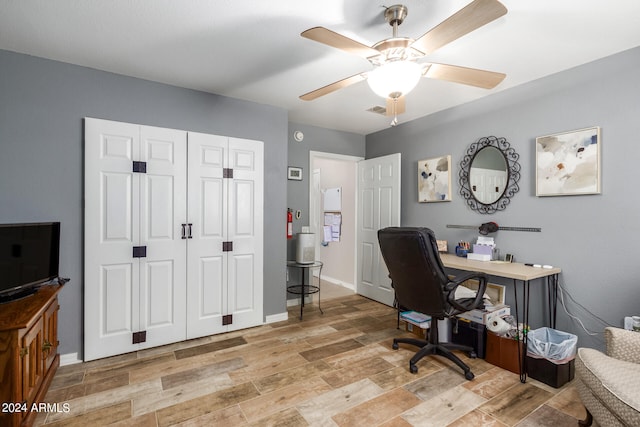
(609, 384)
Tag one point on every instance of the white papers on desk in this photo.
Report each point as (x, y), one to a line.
(332, 226)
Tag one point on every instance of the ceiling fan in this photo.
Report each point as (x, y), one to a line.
(396, 70)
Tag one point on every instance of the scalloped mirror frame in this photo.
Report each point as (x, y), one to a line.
(513, 174)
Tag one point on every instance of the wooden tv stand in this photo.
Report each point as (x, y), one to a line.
(28, 354)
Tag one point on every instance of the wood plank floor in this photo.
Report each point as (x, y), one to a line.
(331, 369)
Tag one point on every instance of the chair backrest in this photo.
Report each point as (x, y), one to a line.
(415, 269)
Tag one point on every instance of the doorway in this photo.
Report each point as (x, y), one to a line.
(331, 171)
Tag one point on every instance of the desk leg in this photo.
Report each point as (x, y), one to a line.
(525, 324)
(552, 293)
(522, 353)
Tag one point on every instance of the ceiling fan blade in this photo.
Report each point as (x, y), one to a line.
(469, 18)
(310, 96)
(333, 39)
(468, 76)
(395, 106)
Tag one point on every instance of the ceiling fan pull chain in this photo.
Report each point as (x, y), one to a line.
(395, 112)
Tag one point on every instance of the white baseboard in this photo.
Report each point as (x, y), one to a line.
(273, 318)
(339, 282)
(69, 359)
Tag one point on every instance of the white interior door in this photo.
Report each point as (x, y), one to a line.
(244, 230)
(224, 210)
(137, 186)
(112, 217)
(207, 214)
(378, 207)
(126, 209)
(163, 209)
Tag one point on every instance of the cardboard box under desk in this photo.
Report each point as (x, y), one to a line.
(415, 330)
(503, 352)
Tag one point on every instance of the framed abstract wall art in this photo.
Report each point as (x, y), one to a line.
(434, 180)
(568, 164)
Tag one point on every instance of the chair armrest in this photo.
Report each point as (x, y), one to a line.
(623, 344)
(457, 281)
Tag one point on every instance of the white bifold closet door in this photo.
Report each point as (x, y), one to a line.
(173, 236)
(126, 210)
(224, 207)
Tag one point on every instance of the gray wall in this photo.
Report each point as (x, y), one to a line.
(315, 139)
(592, 238)
(41, 156)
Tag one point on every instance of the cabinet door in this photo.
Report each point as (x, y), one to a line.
(32, 362)
(50, 334)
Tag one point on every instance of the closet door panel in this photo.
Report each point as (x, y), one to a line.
(242, 284)
(210, 289)
(207, 263)
(163, 211)
(159, 306)
(245, 206)
(116, 288)
(111, 287)
(116, 201)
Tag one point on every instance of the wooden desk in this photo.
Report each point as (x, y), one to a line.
(510, 270)
(517, 272)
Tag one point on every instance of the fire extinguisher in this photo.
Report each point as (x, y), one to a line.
(289, 223)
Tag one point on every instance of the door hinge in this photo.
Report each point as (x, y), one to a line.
(227, 320)
(227, 246)
(140, 167)
(139, 251)
(227, 173)
(139, 337)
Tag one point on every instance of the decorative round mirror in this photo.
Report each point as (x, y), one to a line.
(489, 175)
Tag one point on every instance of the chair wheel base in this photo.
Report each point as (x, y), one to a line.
(473, 355)
(469, 375)
(413, 369)
(395, 346)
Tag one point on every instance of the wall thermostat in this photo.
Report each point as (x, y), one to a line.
(298, 136)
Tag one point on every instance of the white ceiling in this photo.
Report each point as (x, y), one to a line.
(252, 50)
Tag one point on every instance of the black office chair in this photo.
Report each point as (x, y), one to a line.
(422, 285)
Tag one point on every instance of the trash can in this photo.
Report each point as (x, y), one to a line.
(550, 356)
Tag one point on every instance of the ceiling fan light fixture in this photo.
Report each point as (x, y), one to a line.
(394, 79)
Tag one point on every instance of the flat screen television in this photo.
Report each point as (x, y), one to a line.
(29, 257)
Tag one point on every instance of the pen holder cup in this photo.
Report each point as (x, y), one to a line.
(461, 252)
